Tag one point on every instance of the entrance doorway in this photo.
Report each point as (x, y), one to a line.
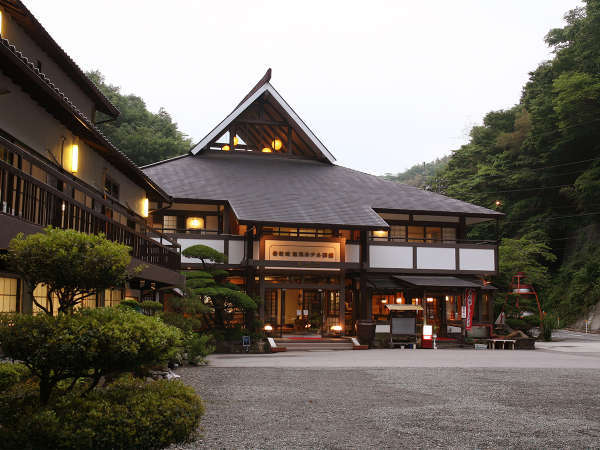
(302, 311)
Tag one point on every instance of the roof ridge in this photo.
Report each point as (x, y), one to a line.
(163, 161)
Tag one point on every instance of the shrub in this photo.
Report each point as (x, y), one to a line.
(198, 347)
(91, 343)
(184, 323)
(150, 307)
(128, 414)
(11, 374)
(548, 325)
(130, 303)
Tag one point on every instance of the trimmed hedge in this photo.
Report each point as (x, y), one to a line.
(128, 414)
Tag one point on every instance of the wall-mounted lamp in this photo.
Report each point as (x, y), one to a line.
(145, 207)
(276, 144)
(194, 223)
(380, 233)
(74, 158)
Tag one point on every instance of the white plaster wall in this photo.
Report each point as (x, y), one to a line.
(236, 252)
(28, 122)
(390, 257)
(352, 253)
(477, 259)
(436, 258)
(217, 244)
(19, 38)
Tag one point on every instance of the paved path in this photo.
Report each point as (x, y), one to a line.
(548, 398)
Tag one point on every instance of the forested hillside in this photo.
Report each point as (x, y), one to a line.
(539, 163)
(420, 175)
(144, 136)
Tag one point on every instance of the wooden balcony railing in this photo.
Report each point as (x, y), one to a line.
(28, 198)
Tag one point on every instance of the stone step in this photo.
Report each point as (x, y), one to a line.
(314, 344)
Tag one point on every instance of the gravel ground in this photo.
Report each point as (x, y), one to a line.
(397, 407)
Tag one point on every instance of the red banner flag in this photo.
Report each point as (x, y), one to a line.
(470, 304)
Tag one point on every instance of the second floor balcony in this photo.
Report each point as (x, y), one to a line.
(37, 194)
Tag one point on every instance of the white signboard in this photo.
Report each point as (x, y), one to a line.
(463, 312)
(277, 250)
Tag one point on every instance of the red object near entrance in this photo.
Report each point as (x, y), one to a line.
(427, 342)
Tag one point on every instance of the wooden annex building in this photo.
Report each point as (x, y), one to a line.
(322, 244)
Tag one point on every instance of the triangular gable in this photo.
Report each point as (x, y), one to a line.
(298, 134)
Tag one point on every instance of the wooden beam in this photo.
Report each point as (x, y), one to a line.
(272, 123)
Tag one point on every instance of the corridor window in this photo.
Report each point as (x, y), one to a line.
(449, 234)
(9, 293)
(169, 224)
(416, 234)
(433, 234)
(398, 232)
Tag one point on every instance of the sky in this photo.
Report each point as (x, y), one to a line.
(384, 84)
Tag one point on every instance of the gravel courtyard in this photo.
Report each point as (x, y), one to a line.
(393, 407)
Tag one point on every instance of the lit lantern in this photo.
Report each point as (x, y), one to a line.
(276, 144)
(336, 328)
(429, 299)
(226, 148)
(498, 203)
(384, 300)
(235, 140)
(194, 223)
(266, 150)
(145, 207)
(268, 328)
(399, 300)
(74, 158)
(380, 233)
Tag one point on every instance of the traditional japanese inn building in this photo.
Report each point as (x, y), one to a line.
(56, 167)
(322, 244)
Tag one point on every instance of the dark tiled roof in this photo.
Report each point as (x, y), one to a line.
(274, 189)
(418, 280)
(39, 34)
(23, 72)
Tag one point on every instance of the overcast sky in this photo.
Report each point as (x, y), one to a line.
(384, 84)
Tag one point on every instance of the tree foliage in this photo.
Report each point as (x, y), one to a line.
(71, 264)
(211, 287)
(87, 345)
(144, 136)
(539, 160)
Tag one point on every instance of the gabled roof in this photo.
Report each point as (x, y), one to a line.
(263, 189)
(38, 33)
(264, 91)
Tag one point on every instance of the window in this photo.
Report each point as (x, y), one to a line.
(40, 294)
(453, 307)
(416, 234)
(111, 187)
(433, 234)
(9, 294)
(449, 234)
(169, 224)
(485, 308)
(398, 232)
(112, 297)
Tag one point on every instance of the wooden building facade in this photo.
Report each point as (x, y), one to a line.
(322, 245)
(56, 167)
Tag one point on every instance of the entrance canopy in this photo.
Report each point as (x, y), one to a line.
(435, 281)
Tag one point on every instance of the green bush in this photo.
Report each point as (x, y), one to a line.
(182, 322)
(11, 374)
(548, 325)
(150, 307)
(91, 343)
(198, 347)
(128, 414)
(130, 303)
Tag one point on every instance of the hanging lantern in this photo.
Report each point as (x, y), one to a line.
(226, 148)
(266, 150)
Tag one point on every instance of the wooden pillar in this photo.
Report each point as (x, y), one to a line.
(364, 297)
(342, 294)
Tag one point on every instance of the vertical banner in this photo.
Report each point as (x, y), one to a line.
(470, 304)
